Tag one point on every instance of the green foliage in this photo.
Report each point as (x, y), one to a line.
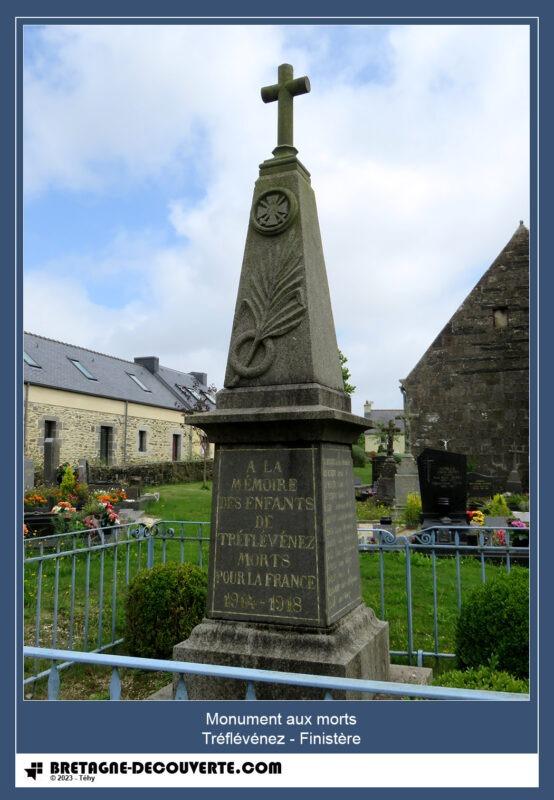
(81, 494)
(348, 388)
(163, 606)
(517, 502)
(372, 509)
(358, 456)
(68, 483)
(411, 514)
(498, 507)
(493, 626)
(485, 678)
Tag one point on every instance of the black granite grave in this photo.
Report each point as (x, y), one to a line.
(443, 487)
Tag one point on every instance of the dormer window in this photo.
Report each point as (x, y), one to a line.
(139, 382)
(30, 361)
(82, 369)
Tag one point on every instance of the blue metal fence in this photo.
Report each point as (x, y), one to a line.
(251, 677)
(496, 544)
(75, 583)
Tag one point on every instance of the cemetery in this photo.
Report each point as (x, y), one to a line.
(277, 578)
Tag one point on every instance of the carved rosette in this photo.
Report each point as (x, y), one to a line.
(274, 211)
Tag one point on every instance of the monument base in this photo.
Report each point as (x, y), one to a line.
(357, 646)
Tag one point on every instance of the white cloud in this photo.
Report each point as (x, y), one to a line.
(420, 178)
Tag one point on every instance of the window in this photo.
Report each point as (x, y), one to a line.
(139, 382)
(176, 447)
(142, 442)
(30, 361)
(49, 429)
(500, 317)
(82, 369)
(106, 434)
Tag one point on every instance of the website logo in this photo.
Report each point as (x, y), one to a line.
(34, 770)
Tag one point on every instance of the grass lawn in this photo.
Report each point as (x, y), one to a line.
(364, 473)
(104, 617)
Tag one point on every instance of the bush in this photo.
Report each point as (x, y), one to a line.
(498, 507)
(372, 509)
(493, 626)
(485, 678)
(68, 483)
(517, 502)
(163, 606)
(411, 514)
(358, 456)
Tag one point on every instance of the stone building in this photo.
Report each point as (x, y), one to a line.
(106, 409)
(471, 387)
(379, 418)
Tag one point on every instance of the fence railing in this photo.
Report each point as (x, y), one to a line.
(75, 583)
(493, 544)
(327, 684)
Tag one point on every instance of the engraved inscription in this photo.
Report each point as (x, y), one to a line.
(265, 555)
(446, 477)
(339, 526)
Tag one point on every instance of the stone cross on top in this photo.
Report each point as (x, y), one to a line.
(286, 88)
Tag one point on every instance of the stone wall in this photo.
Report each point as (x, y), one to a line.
(79, 418)
(471, 386)
(153, 474)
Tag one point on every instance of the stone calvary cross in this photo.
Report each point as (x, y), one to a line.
(284, 91)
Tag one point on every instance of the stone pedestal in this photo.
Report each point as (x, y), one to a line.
(355, 647)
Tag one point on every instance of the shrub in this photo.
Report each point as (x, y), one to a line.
(372, 509)
(498, 507)
(411, 514)
(485, 678)
(358, 456)
(163, 606)
(493, 626)
(517, 502)
(69, 481)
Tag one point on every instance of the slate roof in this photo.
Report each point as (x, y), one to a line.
(384, 415)
(56, 371)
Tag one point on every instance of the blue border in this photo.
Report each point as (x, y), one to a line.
(424, 727)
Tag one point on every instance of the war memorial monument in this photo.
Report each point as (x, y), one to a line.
(284, 580)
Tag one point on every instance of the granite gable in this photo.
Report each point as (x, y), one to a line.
(471, 387)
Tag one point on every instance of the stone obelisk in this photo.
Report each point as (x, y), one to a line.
(284, 580)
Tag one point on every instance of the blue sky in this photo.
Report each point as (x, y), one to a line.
(141, 147)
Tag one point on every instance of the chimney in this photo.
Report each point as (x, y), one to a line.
(368, 405)
(152, 363)
(201, 377)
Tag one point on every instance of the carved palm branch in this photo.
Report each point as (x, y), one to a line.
(276, 300)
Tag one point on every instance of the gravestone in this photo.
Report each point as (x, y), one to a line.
(284, 582)
(377, 462)
(406, 480)
(479, 485)
(443, 487)
(385, 483)
(51, 459)
(83, 471)
(29, 474)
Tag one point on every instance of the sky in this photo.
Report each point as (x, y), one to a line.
(141, 146)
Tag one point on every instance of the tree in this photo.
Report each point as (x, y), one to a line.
(348, 387)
